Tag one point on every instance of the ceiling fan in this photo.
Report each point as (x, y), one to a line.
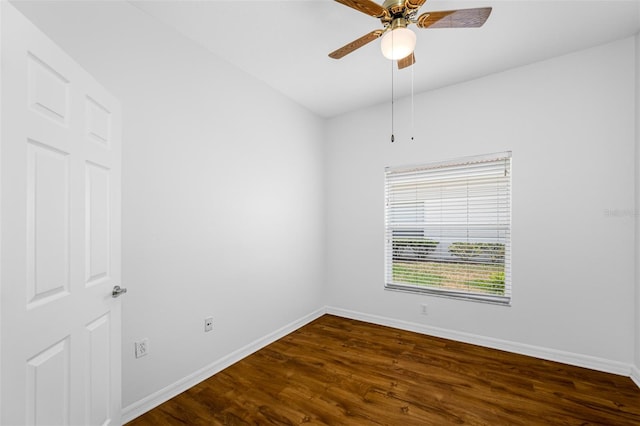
(398, 41)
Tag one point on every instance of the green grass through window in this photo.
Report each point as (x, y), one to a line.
(476, 278)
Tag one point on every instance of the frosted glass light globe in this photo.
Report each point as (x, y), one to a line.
(398, 43)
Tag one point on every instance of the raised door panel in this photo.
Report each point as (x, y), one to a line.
(97, 223)
(48, 91)
(97, 383)
(47, 223)
(98, 122)
(48, 382)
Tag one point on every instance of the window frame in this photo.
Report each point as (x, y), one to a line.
(505, 220)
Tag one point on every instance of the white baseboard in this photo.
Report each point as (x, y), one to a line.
(578, 360)
(635, 375)
(142, 406)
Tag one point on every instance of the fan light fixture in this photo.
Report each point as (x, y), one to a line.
(398, 43)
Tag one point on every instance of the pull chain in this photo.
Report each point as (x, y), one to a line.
(393, 138)
(413, 128)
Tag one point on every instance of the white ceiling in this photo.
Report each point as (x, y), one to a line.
(285, 43)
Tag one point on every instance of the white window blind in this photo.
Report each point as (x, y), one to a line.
(448, 228)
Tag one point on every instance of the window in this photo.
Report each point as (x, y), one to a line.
(448, 228)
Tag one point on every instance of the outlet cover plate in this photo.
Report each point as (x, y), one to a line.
(208, 324)
(142, 347)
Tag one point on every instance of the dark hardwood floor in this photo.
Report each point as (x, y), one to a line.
(337, 371)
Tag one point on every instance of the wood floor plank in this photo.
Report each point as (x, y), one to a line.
(336, 371)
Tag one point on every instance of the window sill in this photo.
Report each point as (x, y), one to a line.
(483, 298)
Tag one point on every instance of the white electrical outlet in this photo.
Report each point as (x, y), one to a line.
(423, 309)
(208, 324)
(142, 347)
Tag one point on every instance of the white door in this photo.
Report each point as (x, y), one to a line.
(60, 236)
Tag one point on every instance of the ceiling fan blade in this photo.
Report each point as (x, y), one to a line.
(356, 44)
(406, 62)
(462, 18)
(413, 4)
(366, 6)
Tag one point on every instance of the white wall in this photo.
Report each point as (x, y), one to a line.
(222, 215)
(222, 197)
(637, 214)
(570, 124)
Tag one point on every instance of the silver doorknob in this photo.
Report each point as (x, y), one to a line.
(118, 291)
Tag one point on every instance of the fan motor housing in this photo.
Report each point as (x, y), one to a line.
(395, 7)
